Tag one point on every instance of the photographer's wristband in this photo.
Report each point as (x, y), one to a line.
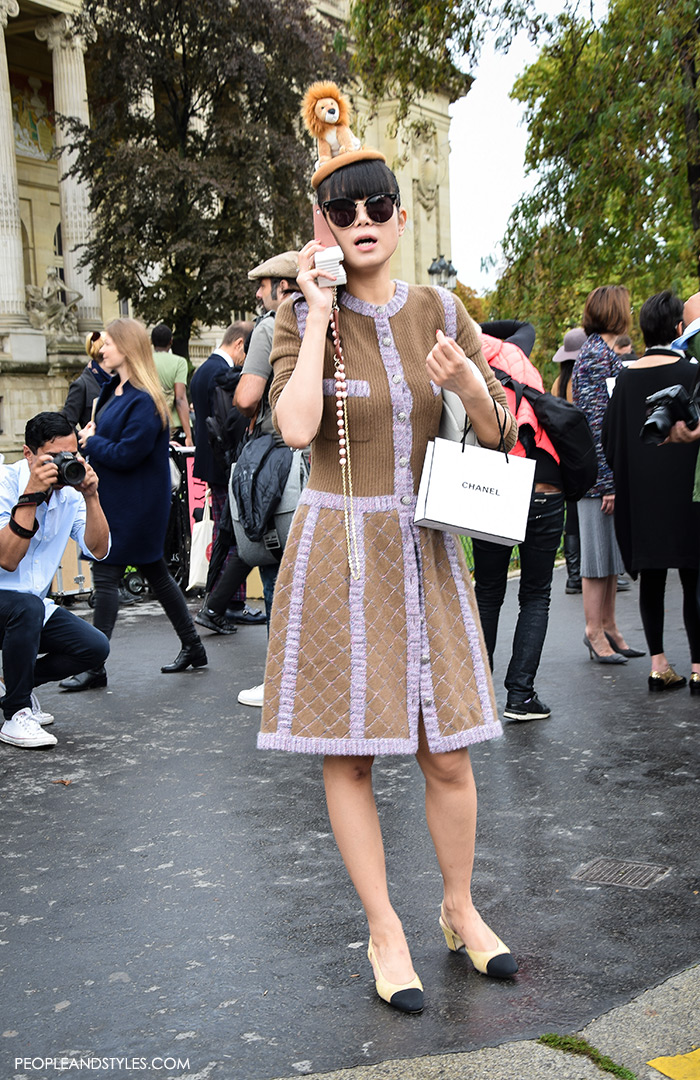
(33, 498)
(19, 530)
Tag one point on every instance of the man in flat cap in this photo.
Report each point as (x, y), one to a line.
(276, 279)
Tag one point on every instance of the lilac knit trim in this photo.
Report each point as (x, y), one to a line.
(290, 664)
(364, 504)
(374, 747)
(362, 307)
(356, 387)
(358, 641)
(436, 389)
(480, 674)
(415, 621)
(301, 312)
(448, 303)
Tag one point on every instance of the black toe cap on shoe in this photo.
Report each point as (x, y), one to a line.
(503, 966)
(408, 1001)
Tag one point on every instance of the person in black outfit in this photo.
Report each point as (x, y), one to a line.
(506, 345)
(88, 386)
(656, 522)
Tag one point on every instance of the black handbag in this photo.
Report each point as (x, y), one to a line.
(568, 431)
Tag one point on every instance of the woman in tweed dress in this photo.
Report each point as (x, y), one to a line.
(375, 644)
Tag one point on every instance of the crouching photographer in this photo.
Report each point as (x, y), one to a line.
(46, 498)
(656, 521)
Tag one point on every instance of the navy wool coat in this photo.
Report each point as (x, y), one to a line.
(129, 453)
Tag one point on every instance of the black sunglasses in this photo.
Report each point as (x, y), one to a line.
(343, 212)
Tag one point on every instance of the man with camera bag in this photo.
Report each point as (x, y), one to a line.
(46, 498)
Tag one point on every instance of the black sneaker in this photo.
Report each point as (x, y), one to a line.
(532, 709)
(213, 621)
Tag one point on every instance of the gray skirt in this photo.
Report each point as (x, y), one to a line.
(600, 555)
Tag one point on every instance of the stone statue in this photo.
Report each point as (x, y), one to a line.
(53, 307)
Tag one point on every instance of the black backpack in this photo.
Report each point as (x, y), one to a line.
(569, 432)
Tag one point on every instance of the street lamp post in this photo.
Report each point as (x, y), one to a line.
(443, 273)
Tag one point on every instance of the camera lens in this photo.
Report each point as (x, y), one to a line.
(70, 470)
(657, 426)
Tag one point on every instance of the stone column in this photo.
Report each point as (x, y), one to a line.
(70, 99)
(12, 296)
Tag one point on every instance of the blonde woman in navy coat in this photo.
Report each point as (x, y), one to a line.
(127, 445)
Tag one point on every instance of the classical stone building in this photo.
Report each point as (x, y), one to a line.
(46, 301)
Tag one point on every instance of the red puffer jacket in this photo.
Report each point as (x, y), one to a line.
(509, 358)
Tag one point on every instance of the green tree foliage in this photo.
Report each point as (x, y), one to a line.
(195, 158)
(614, 135)
(404, 50)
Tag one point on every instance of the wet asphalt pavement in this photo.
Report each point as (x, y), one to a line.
(169, 892)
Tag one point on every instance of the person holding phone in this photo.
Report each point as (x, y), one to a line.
(375, 646)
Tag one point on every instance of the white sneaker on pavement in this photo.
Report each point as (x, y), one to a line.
(41, 717)
(254, 696)
(24, 730)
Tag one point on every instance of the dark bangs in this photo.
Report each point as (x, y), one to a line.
(358, 181)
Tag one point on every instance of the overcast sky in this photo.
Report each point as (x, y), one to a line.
(488, 139)
(487, 142)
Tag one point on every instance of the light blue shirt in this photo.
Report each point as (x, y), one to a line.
(61, 519)
(689, 332)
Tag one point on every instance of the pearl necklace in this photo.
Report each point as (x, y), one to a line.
(341, 412)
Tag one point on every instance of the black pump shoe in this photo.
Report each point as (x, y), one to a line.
(193, 655)
(623, 652)
(85, 680)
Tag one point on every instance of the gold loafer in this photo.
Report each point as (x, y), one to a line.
(666, 680)
(694, 684)
(499, 963)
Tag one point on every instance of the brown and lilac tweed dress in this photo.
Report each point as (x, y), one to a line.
(353, 666)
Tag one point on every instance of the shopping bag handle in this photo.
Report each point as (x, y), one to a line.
(501, 431)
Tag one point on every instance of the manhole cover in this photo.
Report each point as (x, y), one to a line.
(633, 875)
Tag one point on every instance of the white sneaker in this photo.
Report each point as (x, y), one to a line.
(24, 730)
(254, 696)
(41, 717)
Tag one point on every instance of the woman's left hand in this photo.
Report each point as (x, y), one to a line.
(85, 433)
(608, 505)
(449, 367)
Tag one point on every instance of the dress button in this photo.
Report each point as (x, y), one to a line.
(428, 702)
(406, 500)
(386, 341)
(425, 659)
(380, 310)
(403, 462)
(401, 417)
(396, 378)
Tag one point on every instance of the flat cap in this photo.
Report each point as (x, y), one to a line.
(285, 266)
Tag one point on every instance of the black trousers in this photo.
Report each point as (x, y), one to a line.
(652, 590)
(169, 595)
(69, 645)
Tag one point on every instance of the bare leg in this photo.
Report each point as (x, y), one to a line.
(609, 623)
(450, 806)
(353, 814)
(599, 613)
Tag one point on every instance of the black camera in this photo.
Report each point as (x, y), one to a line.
(664, 409)
(70, 469)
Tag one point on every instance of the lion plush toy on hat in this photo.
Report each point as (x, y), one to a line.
(326, 113)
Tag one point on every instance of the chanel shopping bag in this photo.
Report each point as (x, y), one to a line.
(475, 491)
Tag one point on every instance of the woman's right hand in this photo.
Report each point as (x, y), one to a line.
(320, 300)
(86, 432)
